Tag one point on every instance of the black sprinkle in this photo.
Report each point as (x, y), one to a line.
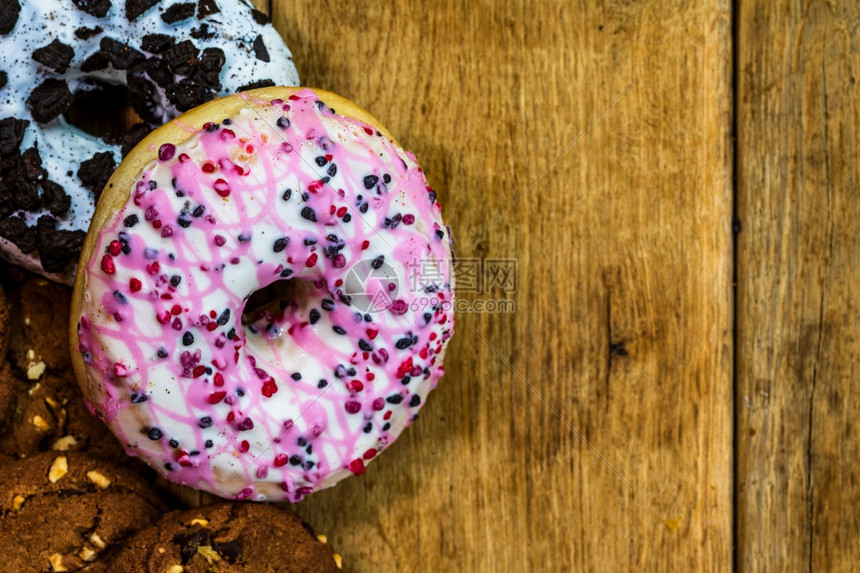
(286, 272)
(327, 304)
(309, 214)
(321, 161)
(339, 330)
(364, 345)
(162, 353)
(175, 280)
(281, 244)
(131, 220)
(187, 339)
(208, 444)
(287, 194)
(138, 398)
(332, 170)
(224, 318)
(155, 434)
(368, 427)
(322, 383)
(314, 316)
(386, 178)
(415, 400)
(173, 443)
(440, 234)
(205, 422)
(370, 181)
(403, 343)
(283, 123)
(296, 376)
(378, 262)
(386, 427)
(347, 218)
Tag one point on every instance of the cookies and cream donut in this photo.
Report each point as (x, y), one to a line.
(272, 186)
(172, 55)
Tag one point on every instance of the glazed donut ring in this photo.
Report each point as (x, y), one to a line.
(171, 55)
(231, 197)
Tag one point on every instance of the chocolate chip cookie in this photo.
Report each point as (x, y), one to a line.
(227, 537)
(65, 511)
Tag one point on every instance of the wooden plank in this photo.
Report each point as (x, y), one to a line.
(799, 285)
(623, 308)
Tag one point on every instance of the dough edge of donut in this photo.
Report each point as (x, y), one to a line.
(118, 188)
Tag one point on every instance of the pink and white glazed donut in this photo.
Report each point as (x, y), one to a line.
(276, 184)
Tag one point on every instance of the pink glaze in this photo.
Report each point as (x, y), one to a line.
(304, 395)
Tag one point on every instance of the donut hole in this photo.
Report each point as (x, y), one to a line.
(101, 109)
(274, 298)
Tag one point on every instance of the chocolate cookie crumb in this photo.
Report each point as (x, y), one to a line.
(260, 50)
(178, 12)
(209, 70)
(50, 99)
(259, 17)
(54, 198)
(3, 79)
(187, 94)
(202, 33)
(56, 56)
(83, 33)
(134, 8)
(133, 136)
(94, 63)
(11, 134)
(95, 172)
(206, 8)
(181, 58)
(121, 56)
(257, 85)
(97, 8)
(57, 248)
(156, 43)
(15, 230)
(9, 10)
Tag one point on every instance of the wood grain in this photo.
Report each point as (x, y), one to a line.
(623, 319)
(799, 286)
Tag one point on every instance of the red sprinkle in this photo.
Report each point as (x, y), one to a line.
(107, 265)
(369, 454)
(198, 371)
(166, 151)
(219, 240)
(245, 493)
(269, 388)
(368, 131)
(352, 407)
(408, 219)
(355, 386)
(280, 460)
(175, 310)
(219, 380)
(364, 245)
(341, 212)
(135, 285)
(221, 187)
(216, 397)
(119, 370)
(208, 167)
(371, 333)
(357, 466)
(244, 446)
(115, 248)
(312, 260)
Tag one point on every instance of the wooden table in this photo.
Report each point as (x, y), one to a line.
(678, 185)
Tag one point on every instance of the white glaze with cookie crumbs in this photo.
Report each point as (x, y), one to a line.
(175, 55)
